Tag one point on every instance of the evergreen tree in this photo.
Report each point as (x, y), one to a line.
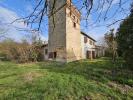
(125, 39)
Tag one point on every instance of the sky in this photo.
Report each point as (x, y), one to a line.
(14, 9)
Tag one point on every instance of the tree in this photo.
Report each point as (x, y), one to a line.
(101, 42)
(112, 44)
(11, 50)
(41, 10)
(37, 50)
(125, 39)
(2, 32)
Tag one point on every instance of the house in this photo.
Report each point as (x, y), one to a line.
(66, 42)
(88, 46)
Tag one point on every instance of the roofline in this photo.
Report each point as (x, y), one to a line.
(87, 36)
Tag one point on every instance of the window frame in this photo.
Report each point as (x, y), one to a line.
(85, 39)
(74, 25)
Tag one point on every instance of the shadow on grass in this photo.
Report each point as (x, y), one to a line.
(101, 70)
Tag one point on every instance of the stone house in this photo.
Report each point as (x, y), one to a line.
(66, 42)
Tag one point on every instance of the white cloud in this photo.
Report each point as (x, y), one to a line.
(116, 1)
(7, 16)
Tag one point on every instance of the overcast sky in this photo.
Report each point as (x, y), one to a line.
(13, 9)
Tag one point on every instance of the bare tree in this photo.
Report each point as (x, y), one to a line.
(112, 44)
(3, 32)
(101, 42)
(41, 11)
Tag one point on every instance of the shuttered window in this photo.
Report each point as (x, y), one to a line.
(85, 39)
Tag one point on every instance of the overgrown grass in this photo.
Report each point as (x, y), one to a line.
(81, 80)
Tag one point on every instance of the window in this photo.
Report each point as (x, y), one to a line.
(46, 51)
(90, 42)
(93, 43)
(74, 24)
(77, 21)
(73, 17)
(85, 39)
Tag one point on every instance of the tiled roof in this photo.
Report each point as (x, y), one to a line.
(87, 36)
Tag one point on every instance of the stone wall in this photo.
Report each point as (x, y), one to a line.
(73, 39)
(57, 31)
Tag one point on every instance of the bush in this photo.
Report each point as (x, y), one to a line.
(20, 52)
(3, 57)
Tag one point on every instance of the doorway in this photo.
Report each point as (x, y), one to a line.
(88, 54)
(55, 55)
(93, 54)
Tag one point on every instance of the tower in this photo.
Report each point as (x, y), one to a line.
(64, 42)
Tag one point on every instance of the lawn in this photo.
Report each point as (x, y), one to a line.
(81, 80)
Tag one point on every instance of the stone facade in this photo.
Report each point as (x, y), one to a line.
(64, 42)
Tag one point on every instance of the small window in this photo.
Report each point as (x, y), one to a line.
(46, 51)
(85, 39)
(77, 21)
(74, 25)
(90, 42)
(73, 17)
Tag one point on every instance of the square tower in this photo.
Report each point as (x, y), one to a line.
(64, 42)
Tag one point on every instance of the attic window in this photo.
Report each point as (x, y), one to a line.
(74, 24)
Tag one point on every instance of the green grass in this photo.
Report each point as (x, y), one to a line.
(98, 80)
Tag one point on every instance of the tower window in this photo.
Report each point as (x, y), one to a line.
(74, 24)
(74, 17)
(77, 21)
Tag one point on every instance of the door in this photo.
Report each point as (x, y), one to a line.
(55, 55)
(93, 54)
(88, 54)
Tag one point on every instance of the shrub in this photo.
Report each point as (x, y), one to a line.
(20, 52)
